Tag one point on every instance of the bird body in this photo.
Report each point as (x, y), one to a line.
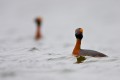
(38, 22)
(80, 53)
(92, 53)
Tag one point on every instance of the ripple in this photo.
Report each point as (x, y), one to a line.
(7, 74)
(34, 49)
(59, 58)
(67, 70)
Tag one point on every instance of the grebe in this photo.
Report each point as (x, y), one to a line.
(80, 53)
(38, 22)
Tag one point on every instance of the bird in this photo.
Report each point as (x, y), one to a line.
(38, 22)
(81, 53)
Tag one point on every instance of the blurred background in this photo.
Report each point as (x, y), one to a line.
(23, 58)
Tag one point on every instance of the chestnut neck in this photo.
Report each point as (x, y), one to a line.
(38, 33)
(78, 44)
(38, 28)
(77, 47)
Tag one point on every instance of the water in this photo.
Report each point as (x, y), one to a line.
(23, 58)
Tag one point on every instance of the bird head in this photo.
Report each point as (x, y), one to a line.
(38, 21)
(79, 33)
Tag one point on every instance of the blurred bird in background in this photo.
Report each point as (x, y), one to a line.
(38, 22)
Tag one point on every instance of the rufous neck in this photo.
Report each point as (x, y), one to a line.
(78, 44)
(38, 28)
(77, 47)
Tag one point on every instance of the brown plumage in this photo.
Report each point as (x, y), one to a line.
(38, 22)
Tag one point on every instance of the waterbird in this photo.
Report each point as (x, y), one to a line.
(81, 53)
(38, 22)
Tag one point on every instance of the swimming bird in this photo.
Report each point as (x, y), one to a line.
(80, 53)
(38, 22)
